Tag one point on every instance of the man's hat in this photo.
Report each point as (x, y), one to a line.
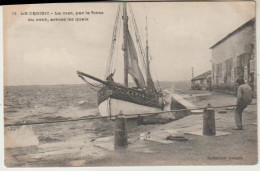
(240, 81)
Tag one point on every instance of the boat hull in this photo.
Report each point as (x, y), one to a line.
(113, 107)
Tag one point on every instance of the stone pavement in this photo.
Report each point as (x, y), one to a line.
(232, 148)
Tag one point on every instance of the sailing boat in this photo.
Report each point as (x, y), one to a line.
(115, 98)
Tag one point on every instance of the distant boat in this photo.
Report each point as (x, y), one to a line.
(115, 98)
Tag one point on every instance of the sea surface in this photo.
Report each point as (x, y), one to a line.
(30, 104)
(33, 144)
(46, 103)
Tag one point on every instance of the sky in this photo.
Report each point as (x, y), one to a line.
(179, 33)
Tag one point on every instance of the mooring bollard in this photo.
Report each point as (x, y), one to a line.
(209, 121)
(120, 133)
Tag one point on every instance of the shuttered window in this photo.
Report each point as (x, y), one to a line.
(229, 66)
(219, 70)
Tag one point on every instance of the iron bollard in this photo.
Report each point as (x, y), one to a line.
(209, 127)
(120, 133)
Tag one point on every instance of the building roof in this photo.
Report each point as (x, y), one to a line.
(235, 31)
(202, 76)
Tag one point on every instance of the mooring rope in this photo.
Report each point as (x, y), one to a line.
(102, 117)
(57, 121)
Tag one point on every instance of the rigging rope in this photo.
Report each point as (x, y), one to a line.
(114, 62)
(91, 85)
(114, 38)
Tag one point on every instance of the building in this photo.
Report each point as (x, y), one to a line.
(201, 82)
(234, 57)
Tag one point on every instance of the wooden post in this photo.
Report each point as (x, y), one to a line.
(120, 133)
(125, 30)
(209, 122)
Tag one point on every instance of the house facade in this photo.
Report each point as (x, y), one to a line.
(234, 57)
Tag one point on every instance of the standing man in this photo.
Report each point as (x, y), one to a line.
(244, 98)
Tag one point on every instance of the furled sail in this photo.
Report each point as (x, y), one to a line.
(133, 67)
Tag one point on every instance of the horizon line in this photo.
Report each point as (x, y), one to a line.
(71, 84)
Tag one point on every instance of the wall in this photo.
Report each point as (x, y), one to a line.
(238, 44)
(198, 84)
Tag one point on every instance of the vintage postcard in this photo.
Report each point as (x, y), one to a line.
(130, 84)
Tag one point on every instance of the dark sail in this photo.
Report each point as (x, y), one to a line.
(133, 67)
(150, 83)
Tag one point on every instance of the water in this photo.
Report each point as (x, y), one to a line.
(72, 143)
(26, 104)
(44, 103)
(20, 137)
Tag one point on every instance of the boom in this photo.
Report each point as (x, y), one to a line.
(81, 74)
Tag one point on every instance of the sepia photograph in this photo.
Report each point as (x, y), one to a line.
(130, 84)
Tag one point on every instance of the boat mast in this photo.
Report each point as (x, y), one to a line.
(125, 28)
(150, 83)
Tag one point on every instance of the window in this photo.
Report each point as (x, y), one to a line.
(228, 75)
(229, 66)
(219, 70)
